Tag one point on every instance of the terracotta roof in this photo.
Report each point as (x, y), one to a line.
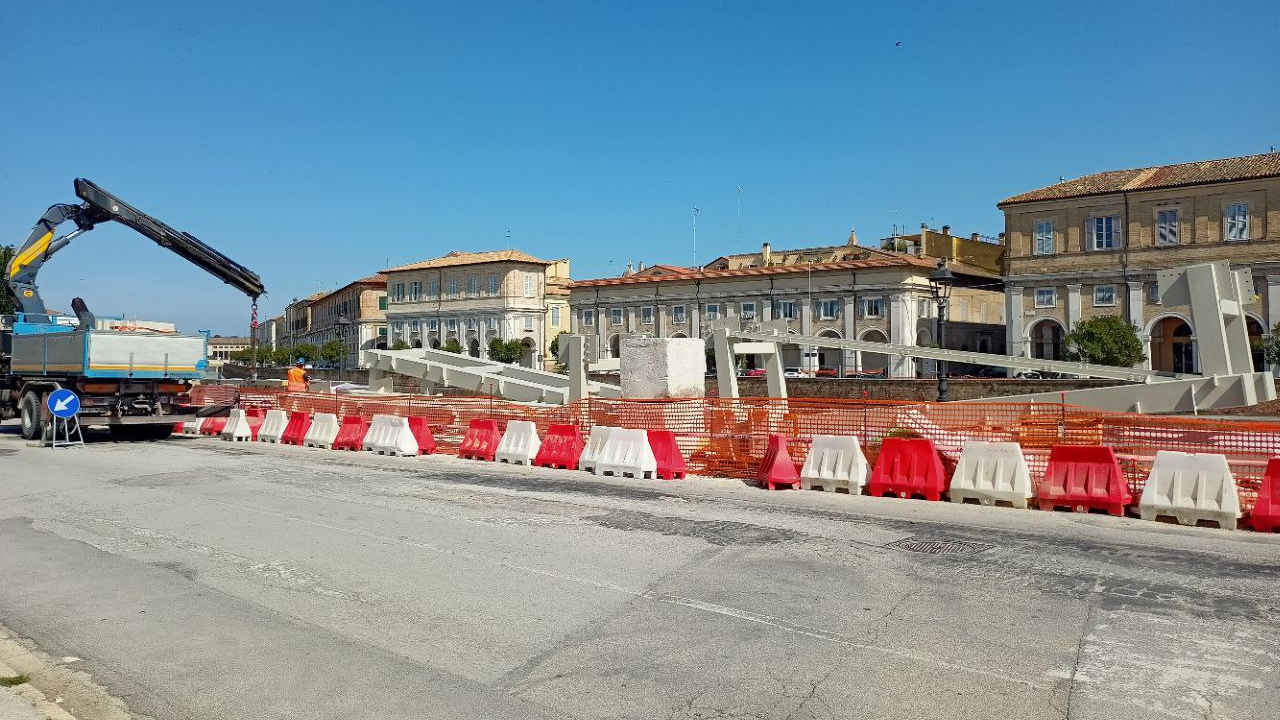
(372, 280)
(1153, 178)
(457, 257)
(877, 263)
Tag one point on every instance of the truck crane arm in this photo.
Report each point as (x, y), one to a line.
(99, 206)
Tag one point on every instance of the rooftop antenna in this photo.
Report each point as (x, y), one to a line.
(737, 241)
(695, 236)
(508, 238)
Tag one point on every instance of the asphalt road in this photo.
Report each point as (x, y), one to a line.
(203, 579)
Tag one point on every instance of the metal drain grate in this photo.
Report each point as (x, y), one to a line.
(939, 547)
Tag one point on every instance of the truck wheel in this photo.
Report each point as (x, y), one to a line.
(161, 432)
(31, 426)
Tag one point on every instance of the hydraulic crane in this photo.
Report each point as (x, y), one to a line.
(133, 382)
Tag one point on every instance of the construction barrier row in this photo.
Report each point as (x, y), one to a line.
(917, 456)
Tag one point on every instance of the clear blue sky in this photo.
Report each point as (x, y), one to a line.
(316, 142)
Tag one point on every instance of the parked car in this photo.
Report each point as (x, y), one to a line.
(792, 372)
(991, 372)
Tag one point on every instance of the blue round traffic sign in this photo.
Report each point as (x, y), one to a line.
(63, 403)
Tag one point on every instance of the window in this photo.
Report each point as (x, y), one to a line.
(415, 291)
(382, 332)
(433, 325)
(713, 312)
(646, 315)
(451, 324)
(1153, 293)
(615, 316)
(493, 323)
(1236, 222)
(473, 286)
(529, 284)
(1104, 295)
(382, 302)
(555, 316)
(433, 288)
(1046, 297)
(472, 323)
(1167, 227)
(922, 308)
(493, 285)
(677, 314)
(787, 310)
(871, 308)
(1257, 289)
(528, 324)
(748, 311)
(453, 287)
(1044, 237)
(829, 309)
(397, 292)
(398, 329)
(589, 318)
(1104, 233)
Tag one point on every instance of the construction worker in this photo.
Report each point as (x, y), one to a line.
(299, 380)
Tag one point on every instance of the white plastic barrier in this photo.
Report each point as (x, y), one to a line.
(273, 426)
(595, 443)
(834, 462)
(1191, 487)
(395, 437)
(237, 428)
(991, 472)
(192, 427)
(323, 430)
(519, 444)
(379, 431)
(627, 452)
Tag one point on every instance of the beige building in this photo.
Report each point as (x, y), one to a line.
(220, 348)
(270, 333)
(362, 304)
(845, 291)
(1093, 245)
(474, 297)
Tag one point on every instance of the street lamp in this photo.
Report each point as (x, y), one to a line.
(344, 326)
(940, 283)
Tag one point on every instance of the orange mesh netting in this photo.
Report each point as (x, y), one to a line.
(727, 437)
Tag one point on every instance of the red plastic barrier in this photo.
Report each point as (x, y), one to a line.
(777, 468)
(213, 426)
(1083, 478)
(561, 448)
(255, 422)
(422, 433)
(670, 460)
(259, 413)
(908, 467)
(296, 430)
(1266, 512)
(351, 434)
(481, 440)
(177, 427)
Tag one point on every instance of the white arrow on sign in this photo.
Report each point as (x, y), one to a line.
(62, 404)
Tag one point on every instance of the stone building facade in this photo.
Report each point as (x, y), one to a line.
(474, 297)
(1093, 245)
(880, 296)
(363, 303)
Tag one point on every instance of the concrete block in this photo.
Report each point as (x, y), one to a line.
(663, 367)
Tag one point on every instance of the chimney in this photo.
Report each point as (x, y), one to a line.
(766, 254)
(946, 229)
(974, 237)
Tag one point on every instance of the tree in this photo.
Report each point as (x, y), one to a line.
(7, 306)
(452, 345)
(306, 351)
(333, 352)
(1270, 346)
(400, 345)
(1104, 340)
(283, 356)
(505, 351)
(554, 349)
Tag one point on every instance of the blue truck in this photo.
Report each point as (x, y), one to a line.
(133, 379)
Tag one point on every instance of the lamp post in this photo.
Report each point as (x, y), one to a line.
(940, 283)
(343, 324)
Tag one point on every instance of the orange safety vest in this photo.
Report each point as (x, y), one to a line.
(297, 379)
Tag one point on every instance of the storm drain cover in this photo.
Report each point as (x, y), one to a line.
(7, 451)
(939, 547)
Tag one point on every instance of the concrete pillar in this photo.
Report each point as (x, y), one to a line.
(726, 372)
(900, 314)
(1013, 330)
(1073, 306)
(766, 310)
(1273, 301)
(695, 320)
(808, 353)
(630, 322)
(574, 323)
(577, 366)
(850, 323)
(1135, 304)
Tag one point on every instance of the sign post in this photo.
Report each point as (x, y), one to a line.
(64, 405)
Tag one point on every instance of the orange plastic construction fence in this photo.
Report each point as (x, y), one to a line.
(727, 437)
